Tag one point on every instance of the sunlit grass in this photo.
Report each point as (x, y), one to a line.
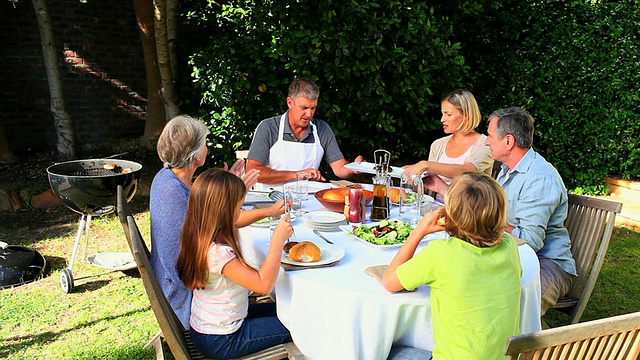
(108, 316)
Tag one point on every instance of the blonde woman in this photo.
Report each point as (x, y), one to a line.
(223, 324)
(462, 150)
(474, 275)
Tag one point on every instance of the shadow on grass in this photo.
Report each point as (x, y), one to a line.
(16, 344)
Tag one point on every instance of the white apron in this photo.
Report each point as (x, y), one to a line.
(293, 156)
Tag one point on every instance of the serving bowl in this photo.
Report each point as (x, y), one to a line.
(335, 201)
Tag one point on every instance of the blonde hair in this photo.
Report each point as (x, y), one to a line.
(181, 142)
(464, 101)
(476, 209)
(210, 219)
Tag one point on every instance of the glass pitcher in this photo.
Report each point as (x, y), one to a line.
(410, 199)
(380, 204)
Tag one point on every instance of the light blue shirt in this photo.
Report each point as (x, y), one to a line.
(537, 208)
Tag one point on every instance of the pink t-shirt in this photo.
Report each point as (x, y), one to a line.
(222, 305)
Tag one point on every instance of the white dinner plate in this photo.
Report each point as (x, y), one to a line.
(323, 217)
(329, 255)
(254, 197)
(369, 168)
(315, 186)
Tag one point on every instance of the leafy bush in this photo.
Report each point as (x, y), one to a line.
(574, 65)
(382, 68)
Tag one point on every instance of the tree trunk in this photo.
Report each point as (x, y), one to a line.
(172, 35)
(164, 62)
(6, 156)
(65, 131)
(156, 116)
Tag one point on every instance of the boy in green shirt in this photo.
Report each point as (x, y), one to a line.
(474, 275)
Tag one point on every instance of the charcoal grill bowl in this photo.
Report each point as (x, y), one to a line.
(92, 194)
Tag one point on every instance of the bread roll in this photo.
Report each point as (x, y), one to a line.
(305, 251)
(394, 194)
(336, 194)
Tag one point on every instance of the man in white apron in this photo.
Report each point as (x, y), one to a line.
(295, 141)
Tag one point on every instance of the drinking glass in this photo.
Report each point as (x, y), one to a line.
(292, 200)
(302, 181)
(410, 199)
(428, 204)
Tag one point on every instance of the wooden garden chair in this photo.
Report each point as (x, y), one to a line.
(179, 339)
(609, 338)
(590, 222)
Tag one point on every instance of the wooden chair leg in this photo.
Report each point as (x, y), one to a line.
(156, 343)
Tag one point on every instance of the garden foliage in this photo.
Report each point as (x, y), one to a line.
(383, 67)
(575, 65)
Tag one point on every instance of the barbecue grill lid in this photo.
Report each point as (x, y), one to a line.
(20, 265)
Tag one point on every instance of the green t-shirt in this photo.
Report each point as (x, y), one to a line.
(475, 295)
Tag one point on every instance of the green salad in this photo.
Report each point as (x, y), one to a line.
(387, 232)
(410, 198)
(263, 221)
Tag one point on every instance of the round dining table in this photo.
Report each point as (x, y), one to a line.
(340, 312)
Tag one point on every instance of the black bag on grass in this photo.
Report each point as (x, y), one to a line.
(20, 265)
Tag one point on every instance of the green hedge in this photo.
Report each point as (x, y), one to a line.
(575, 65)
(382, 68)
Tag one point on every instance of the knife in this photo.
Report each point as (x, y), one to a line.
(322, 236)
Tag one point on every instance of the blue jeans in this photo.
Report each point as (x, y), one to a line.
(260, 330)
(408, 353)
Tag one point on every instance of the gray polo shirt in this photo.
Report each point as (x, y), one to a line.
(266, 136)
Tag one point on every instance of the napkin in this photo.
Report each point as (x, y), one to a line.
(290, 267)
(342, 183)
(377, 272)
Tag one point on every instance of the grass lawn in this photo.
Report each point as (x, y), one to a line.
(108, 315)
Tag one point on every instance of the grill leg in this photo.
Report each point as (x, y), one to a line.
(86, 237)
(81, 229)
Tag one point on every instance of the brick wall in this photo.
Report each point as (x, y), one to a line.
(102, 67)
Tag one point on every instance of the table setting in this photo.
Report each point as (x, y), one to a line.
(335, 307)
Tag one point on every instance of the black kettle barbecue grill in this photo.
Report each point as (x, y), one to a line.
(89, 187)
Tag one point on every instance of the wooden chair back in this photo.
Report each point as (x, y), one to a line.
(179, 339)
(610, 338)
(124, 210)
(590, 222)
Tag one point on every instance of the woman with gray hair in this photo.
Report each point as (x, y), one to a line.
(182, 147)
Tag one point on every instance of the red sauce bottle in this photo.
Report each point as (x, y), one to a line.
(356, 210)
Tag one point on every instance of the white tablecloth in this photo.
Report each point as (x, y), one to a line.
(340, 312)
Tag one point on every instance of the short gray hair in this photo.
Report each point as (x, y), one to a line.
(517, 122)
(304, 87)
(183, 139)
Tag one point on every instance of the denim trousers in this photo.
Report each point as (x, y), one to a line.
(260, 330)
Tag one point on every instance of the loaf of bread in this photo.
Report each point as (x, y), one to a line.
(305, 251)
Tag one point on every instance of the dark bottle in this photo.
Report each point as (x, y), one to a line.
(380, 205)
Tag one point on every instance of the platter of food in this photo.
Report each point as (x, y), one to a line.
(395, 194)
(386, 234)
(307, 253)
(263, 223)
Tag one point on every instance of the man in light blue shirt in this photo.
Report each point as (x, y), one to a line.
(537, 200)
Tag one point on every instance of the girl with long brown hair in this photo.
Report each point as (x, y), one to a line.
(223, 323)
